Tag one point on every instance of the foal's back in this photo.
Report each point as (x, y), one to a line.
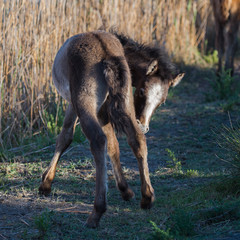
(88, 50)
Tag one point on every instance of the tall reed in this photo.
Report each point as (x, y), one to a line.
(31, 32)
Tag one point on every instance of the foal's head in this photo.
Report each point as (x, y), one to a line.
(152, 90)
(152, 74)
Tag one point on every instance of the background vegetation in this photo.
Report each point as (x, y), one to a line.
(33, 31)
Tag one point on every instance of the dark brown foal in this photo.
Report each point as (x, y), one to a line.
(92, 71)
(99, 76)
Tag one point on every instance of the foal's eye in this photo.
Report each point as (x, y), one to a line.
(141, 92)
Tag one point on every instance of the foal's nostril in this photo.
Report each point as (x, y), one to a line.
(143, 128)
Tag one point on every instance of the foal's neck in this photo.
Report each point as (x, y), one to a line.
(137, 68)
(137, 58)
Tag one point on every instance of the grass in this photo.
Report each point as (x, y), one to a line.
(197, 196)
(182, 209)
(201, 211)
(43, 222)
(229, 140)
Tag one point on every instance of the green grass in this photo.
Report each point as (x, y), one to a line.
(181, 206)
(228, 139)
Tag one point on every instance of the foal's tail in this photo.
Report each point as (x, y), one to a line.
(118, 78)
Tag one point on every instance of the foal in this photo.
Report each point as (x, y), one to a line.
(92, 71)
(227, 18)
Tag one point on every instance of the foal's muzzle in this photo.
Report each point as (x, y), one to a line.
(143, 128)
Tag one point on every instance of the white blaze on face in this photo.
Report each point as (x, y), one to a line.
(154, 97)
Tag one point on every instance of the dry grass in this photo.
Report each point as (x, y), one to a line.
(33, 30)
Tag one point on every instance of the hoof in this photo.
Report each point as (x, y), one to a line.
(128, 194)
(147, 202)
(44, 190)
(91, 224)
(92, 221)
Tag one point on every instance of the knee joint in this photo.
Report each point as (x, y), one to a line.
(99, 142)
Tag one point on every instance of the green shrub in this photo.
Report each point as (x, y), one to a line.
(173, 163)
(192, 173)
(211, 58)
(160, 234)
(224, 87)
(54, 120)
(182, 223)
(43, 222)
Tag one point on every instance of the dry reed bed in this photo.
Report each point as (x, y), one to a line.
(33, 30)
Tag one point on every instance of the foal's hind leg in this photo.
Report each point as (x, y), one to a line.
(113, 153)
(63, 141)
(98, 144)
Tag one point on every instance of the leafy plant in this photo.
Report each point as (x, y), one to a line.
(192, 173)
(173, 162)
(211, 58)
(160, 234)
(54, 120)
(179, 224)
(224, 85)
(176, 166)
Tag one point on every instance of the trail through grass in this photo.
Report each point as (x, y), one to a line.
(196, 196)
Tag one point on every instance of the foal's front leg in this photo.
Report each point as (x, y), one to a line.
(63, 141)
(137, 141)
(114, 154)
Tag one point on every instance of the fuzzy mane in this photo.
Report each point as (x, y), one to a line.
(166, 69)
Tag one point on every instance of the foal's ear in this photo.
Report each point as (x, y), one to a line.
(152, 67)
(177, 79)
